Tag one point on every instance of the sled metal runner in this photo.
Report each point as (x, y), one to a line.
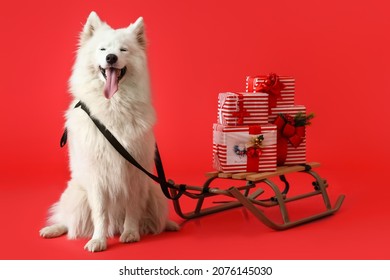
(248, 195)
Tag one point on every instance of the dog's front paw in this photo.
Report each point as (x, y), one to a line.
(53, 231)
(129, 237)
(172, 226)
(96, 245)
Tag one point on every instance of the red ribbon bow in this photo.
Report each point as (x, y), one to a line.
(271, 85)
(253, 152)
(287, 132)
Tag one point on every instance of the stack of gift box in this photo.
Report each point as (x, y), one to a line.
(261, 128)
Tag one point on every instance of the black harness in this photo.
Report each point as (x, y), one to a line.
(166, 186)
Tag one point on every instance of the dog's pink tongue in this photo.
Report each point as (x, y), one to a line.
(111, 85)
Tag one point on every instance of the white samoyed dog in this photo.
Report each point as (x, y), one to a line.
(106, 195)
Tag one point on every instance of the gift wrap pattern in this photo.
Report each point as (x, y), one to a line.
(294, 154)
(232, 146)
(289, 110)
(287, 90)
(242, 108)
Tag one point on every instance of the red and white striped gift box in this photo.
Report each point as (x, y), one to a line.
(289, 110)
(242, 108)
(230, 146)
(287, 94)
(295, 155)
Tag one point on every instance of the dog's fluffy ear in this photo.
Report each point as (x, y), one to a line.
(92, 24)
(138, 29)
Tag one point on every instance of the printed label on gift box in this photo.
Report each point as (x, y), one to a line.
(240, 149)
(238, 143)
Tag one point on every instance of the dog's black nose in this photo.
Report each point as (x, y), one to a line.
(111, 58)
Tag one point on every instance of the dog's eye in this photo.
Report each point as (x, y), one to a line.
(102, 49)
(123, 50)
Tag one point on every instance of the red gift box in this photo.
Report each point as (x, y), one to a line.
(281, 89)
(244, 148)
(242, 108)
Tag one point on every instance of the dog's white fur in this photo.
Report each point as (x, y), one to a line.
(106, 195)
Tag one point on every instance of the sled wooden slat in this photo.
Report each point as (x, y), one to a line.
(282, 170)
(212, 174)
(242, 176)
(248, 196)
(225, 175)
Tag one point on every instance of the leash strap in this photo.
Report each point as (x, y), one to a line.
(160, 179)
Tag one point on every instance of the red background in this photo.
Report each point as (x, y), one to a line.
(338, 51)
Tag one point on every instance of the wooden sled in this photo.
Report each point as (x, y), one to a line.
(248, 195)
